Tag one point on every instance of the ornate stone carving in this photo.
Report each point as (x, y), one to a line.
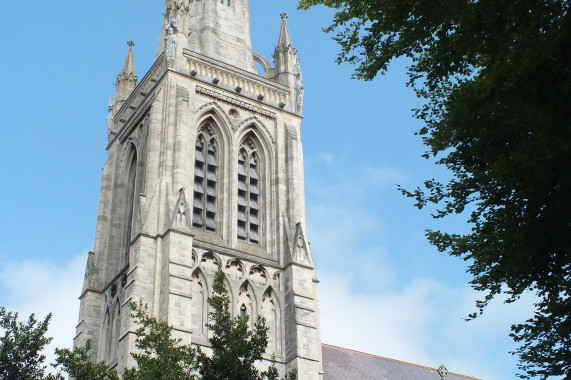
(299, 89)
(210, 263)
(277, 280)
(301, 253)
(248, 141)
(170, 42)
(258, 275)
(443, 372)
(180, 218)
(193, 259)
(235, 102)
(246, 303)
(235, 269)
(234, 114)
(112, 102)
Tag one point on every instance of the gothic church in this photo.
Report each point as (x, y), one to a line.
(205, 171)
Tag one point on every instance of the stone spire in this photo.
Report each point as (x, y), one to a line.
(126, 80)
(213, 28)
(284, 41)
(287, 67)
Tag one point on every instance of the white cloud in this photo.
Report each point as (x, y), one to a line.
(420, 323)
(43, 287)
(369, 304)
(366, 303)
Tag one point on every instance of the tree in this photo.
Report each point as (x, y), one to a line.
(235, 347)
(160, 356)
(495, 78)
(78, 365)
(21, 346)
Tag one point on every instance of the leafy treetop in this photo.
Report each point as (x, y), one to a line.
(21, 346)
(236, 349)
(495, 77)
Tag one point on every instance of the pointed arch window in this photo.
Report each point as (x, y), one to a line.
(199, 308)
(248, 191)
(115, 326)
(107, 329)
(205, 179)
(270, 311)
(246, 303)
(130, 211)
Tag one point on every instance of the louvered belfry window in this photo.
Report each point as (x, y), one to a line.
(205, 180)
(248, 192)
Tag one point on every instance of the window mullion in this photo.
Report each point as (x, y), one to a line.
(248, 200)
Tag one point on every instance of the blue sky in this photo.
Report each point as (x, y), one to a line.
(377, 271)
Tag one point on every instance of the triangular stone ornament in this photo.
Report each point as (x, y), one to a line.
(180, 220)
(301, 253)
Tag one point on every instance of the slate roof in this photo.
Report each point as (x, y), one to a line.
(344, 364)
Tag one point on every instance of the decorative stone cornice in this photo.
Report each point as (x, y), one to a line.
(233, 77)
(235, 102)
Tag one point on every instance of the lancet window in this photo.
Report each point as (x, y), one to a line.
(116, 323)
(199, 304)
(248, 192)
(245, 303)
(130, 210)
(271, 313)
(107, 328)
(205, 179)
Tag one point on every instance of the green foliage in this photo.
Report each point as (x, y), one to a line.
(495, 77)
(235, 347)
(78, 365)
(160, 356)
(273, 374)
(21, 346)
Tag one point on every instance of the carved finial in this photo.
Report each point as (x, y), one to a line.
(284, 41)
(127, 79)
(443, 372)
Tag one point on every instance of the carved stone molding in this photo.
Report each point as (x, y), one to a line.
(235, 102)
(231, 78)
(258, 275)
(235, 269)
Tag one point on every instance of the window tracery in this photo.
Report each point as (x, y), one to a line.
(199, 304)
(205, 179)
(248, 191)
(245, 303)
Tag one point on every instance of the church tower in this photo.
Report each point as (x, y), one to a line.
(204, 171)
